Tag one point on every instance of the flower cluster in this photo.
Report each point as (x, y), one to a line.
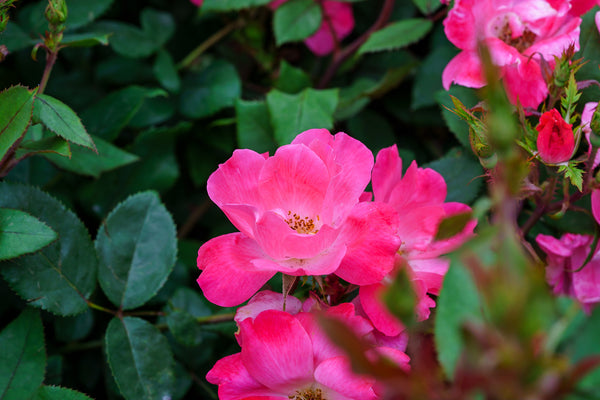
(303, 212)
(523, 38)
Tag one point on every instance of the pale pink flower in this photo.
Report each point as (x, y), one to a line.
(338, 22)
(419, 199)
(555, 141)
(287, 356)
(518, 34)
(565, 256)
(299, 214)
(586, 119)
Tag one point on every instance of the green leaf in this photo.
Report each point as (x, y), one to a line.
(59, 393)
(15, 38)
(70, 329)
(16, 104)
(137, 248)
(574, 174)
(453, 225)
(62, 120)
(461, 172)
(293, 114)
(84, 39)
(397, 35)
(458, 302)
(254, 126)
(165, 71)
(86, 162)
(140, 359)
(111, 114)
(291, 79)
(82, 12)
(231, 5)
(182, 310)
(53, 144)
(206, 92)
(131, 41)
(21, 233)
(296, 20)
(60, 277)
(428, 78)
(23, 356)
(427, 6)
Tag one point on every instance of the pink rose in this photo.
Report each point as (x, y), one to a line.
(418, 197)
(288, 356)
(338, 22)
(565, 256)
(518, 35)
(298, 213)
(555, 141)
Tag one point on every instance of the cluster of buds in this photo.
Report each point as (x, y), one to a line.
(56, 14)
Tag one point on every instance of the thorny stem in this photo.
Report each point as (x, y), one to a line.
(208, 43)
(342, 55)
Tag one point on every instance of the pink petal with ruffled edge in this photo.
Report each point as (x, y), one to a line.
(379, 315)
(277, 351)
(431, 271)
(586, 283)
(349, 163)
(465, 69)
(370, 235)
(460, 25)
(418, 187)
(524, 83)
(235, 183)
(235, 382)
(387, 173)
(228, 277)
(336, 373)
(323, 264)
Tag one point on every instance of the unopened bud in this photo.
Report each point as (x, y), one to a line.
(56, 12)
(555, 141)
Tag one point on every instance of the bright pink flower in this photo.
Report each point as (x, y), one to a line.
(586, 119)
(338, 22)
(288, 356)
(555, 141)
(419, 198)
(298, 213)
(518, 34)
(567, 255)
(197, 2)
(596, 204)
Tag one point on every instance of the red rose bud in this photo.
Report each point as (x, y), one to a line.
(555, 141)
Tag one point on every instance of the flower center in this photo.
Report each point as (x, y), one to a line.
(301, 225)
(308, 394)
(521, 43)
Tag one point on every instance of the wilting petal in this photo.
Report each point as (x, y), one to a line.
(228, 277)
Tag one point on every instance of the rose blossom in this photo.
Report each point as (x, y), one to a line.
(518, 35)
(298, 213)
(565, 257)
(555, 141)
(288, 356)
(338, 22)
(419, 199)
